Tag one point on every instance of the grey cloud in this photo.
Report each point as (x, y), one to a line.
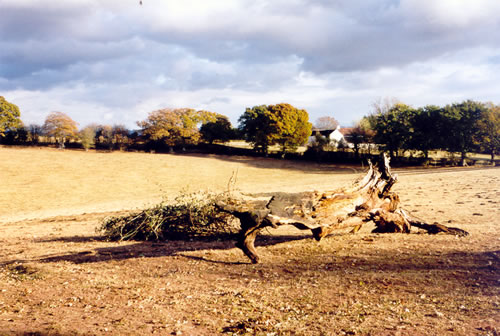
(339, 37)
(26, 58)
(223, 100)
(39, 22)
(80, 20)
(137, 63)
(117, 55)
(329, 36)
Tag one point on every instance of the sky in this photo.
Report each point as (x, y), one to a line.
(115, 61)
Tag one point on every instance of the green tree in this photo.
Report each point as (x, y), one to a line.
(367, 131)
(318, 143)
(16, 136)
(258, 127)
(121, 136)
(218, 130)
(87, 136)
(488, 136)
(461, 126)
(104, 136)
(426, 129)
(35, 132)
(60, 126)
(392, 128)
(10, 117)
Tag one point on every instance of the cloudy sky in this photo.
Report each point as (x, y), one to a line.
(114, 61)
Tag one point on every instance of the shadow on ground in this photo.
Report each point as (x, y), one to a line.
(305, 167)
(384, 267)
(330, 168)
(136, 249)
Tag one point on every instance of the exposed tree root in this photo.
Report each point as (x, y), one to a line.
(368, 200)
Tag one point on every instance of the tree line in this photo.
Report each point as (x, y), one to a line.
(392, 126)
(463, 127)
(164, 129)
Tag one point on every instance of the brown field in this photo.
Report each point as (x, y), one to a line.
(59, 277)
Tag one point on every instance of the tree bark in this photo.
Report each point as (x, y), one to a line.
(369, 200)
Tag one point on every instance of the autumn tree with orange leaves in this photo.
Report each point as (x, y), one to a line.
(281, 124)
(61, 127)
(175, 127)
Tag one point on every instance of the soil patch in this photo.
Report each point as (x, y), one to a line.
(58, 277)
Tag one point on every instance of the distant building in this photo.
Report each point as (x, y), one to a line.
(336, 137)
(346, 133)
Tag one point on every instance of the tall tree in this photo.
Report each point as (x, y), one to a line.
(461, 126)
(426, 129)
(103, 136)
(35, 132)
(16, 136)
(284, 124)
(87, 136)
(326, 123)
(488, 137)
(121, 137)
(175, 126)
(258, 127)
(393, 128)
(60, 126)
(10, 117)
(218, 130)
(383, 105)
(293, 126)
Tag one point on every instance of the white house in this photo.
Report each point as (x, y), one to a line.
(335, 137)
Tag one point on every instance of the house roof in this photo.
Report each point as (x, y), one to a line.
(324, 132)
(327, 131)
(346, 130)
(316, 129)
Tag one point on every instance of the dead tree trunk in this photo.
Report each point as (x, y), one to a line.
(369, 199)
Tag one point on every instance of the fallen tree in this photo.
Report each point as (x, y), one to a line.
(368, 200)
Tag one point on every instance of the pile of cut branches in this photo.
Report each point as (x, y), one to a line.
(190, 215)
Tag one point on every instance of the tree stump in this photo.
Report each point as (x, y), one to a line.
(368, 200)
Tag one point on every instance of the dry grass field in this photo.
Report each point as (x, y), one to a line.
(59, 277)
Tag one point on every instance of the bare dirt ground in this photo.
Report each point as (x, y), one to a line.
(59, 277)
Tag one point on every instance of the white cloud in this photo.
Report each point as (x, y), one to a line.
(98, 58)
(452, 14)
